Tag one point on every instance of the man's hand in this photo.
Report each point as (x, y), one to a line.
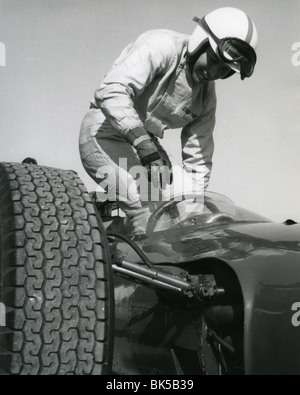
(159, 174)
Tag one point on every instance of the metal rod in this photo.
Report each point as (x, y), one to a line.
(222, 342)
(145, 279)
(133, 246)
(155, 275)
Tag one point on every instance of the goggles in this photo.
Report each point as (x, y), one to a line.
(236, 53)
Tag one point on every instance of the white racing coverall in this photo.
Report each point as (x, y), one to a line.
(147, 90)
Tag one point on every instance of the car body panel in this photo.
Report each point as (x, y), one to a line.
(265, 259)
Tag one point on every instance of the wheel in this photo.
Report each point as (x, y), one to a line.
(55, 275)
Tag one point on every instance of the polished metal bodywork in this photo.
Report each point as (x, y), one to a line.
(248, 330)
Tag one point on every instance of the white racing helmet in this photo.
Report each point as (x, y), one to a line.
(231, 34)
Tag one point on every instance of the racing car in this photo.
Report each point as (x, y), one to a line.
(212, 289)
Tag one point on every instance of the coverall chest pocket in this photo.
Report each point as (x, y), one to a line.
(176, 107)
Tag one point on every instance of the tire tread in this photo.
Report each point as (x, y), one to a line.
(55, 275)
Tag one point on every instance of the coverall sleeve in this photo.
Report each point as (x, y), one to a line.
(197, 139)
(138, 66)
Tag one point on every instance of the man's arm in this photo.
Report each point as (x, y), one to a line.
(197, 139)
(149, 56)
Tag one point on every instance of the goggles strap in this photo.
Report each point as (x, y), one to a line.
(202, 22)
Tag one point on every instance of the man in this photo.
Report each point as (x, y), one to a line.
(164, 80)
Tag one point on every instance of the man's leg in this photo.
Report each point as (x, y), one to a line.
(108, 160)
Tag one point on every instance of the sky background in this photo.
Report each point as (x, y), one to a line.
(57, 53)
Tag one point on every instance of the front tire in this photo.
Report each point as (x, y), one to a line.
(55, 275)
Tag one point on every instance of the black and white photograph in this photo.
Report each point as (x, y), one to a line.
(150, 190)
